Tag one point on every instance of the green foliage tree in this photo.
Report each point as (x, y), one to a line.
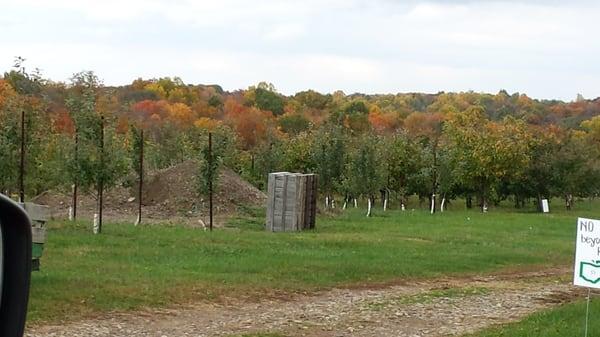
(293, 124)
(24, 102)
(265, 97)
(223, 152)
(9, 149)
(486, 152)
(354, 116)
(296, 153)
(329, 157)
(426, 129)
(211, 159)
(267, 159)
(313, 100)
(99, 156)
(81, 102)
(364, 170)
(402, 161)
(136, 154)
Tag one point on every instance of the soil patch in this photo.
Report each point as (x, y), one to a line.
(457, 306)
(169, 195)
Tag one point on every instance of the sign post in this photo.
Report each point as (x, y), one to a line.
(587, 258)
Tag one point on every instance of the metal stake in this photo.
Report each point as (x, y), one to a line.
(587, 311)
(101, 178)
(76, 181)
(210, 181)
(141, 178)
(22, 162)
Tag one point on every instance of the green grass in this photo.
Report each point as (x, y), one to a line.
(567, 320)
(129, 267)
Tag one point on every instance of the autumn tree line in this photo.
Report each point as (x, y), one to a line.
(482, 148)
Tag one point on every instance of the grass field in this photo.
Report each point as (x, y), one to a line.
(130, 267)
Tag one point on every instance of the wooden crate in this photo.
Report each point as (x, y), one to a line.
(39, 216)
(310, 201)
(291, 201)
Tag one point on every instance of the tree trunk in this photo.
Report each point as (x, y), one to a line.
(369, 203)
(569, 201)
(434, 178)
(73, 208)
(355, 203)
(483, 203)
(469, 202)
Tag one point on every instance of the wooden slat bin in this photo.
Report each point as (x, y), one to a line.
(291, 201)
(39, 216)
(311, 201)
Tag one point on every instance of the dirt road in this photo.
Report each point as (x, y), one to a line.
(446, 307)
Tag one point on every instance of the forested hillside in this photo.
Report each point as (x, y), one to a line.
(483, 147)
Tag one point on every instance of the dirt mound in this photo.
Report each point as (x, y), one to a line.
(175, 191)
(168, 195)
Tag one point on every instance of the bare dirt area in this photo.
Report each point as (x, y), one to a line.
(442, 307)
(169, 196)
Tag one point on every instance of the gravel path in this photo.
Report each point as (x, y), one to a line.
(448, 307)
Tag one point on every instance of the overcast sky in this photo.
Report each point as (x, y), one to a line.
(547, 49)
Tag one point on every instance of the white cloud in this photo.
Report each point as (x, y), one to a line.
(104, 10)
(546, 48)
(337, 68)
(285, 31)
(293, 72)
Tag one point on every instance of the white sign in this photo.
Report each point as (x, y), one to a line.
(545, 207)
(587, 254)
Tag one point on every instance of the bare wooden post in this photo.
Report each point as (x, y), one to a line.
(22, 164)
(210, 183)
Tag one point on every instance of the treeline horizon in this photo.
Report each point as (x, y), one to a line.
(482, 147)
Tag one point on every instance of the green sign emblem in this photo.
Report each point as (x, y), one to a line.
(590, 271)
